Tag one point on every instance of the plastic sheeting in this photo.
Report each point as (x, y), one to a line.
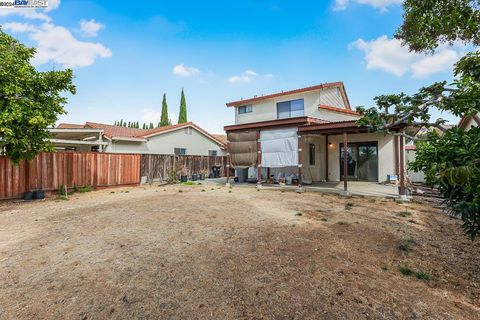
(279, 147)
(243, 148)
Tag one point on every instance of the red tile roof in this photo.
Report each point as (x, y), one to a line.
(284, 93)
(115, 131)
(221, 137)
(118, 131)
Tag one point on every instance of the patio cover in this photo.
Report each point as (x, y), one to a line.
(243, 148)
(279, 147)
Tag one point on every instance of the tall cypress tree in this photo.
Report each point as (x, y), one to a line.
(182, 116)
(164, 117)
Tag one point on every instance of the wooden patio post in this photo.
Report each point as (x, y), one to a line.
(344, 192)
(397, 160)
(259, 160)
(299, 160)
(228, 164)
(402, 169)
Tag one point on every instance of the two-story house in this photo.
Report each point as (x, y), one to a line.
(304, 132)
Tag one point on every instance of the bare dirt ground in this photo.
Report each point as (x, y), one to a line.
(190, 252)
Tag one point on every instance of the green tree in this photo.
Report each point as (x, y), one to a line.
(144, 126)
(164, 121)
(182, 115)
(450, 161)
(30, 101)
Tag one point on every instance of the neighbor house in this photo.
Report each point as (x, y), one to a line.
(182, 139)
(302, 133)
(469, 121)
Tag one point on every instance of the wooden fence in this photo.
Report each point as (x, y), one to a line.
(161, 166)
(50, 171)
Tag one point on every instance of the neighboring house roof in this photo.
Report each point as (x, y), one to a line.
(134, 134)
(284, 93)
(464, 120)
(221, 137)
(70, 126)
(114, 131)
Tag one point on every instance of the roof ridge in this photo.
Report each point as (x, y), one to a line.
(287, 92)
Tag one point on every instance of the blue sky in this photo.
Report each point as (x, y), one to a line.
(125, 54)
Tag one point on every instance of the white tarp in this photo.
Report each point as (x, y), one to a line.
(279, 147)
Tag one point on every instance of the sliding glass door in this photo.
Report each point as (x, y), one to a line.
(362, 161)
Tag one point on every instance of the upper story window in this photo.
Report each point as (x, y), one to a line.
(290, 109)
(245, 109)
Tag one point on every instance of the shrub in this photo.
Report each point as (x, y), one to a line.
(172, 177)
(406, 245)
(422, 275)
(403, 214)
(406, 271)
(85, 189)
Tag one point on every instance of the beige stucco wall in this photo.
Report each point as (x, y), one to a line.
(317, 171)
(386, 153)
(267, 109)
(410, 156)
(196, 144)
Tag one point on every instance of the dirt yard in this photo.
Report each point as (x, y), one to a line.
(209, 252)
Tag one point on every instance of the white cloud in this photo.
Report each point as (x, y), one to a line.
(340, 5)
(25, 13)
(385, 54)
(439, 62)
(389, 55)
(184, 71)
(378, 4)
(57, 44)
(52, 5)
(90, 28)
(247, 76)
(19, 27)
